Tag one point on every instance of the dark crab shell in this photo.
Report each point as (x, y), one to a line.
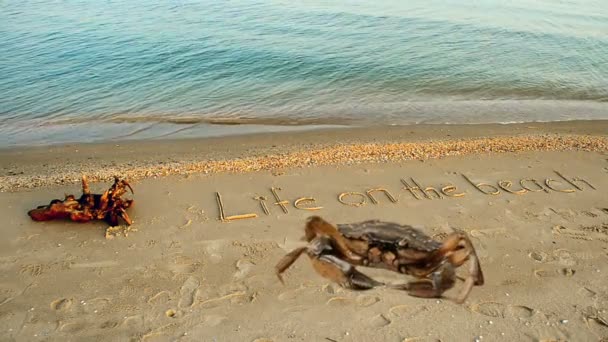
(378, 232)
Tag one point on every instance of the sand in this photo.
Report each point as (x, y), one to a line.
(180, 273)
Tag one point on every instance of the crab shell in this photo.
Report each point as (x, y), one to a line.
(390, 245)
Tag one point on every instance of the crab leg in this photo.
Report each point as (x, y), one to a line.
(315, 248)
(104, 201)
(50, 212)
(85, 186)
(287, 261)
(437, 282)
(55, 210)
(457, 257)
(123, 214)
(335, 269)
(339, 271)
(317, 227)
(475, 277)
(86, 199)
(327, 265)
(475, 268)
(125, 183)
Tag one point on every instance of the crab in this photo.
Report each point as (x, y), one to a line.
(109, 206)
(335, 251)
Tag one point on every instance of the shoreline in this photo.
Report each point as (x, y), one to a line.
(45, 131)
(365, 133)
(34, 167)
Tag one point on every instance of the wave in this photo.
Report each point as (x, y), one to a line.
(194, 120)
(349, 114)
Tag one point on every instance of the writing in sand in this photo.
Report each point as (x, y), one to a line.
(417, 191)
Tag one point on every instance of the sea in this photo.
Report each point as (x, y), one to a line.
(78, 71)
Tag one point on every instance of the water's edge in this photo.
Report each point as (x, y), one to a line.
(236, 135)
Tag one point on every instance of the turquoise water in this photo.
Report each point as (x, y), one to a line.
(75, 71)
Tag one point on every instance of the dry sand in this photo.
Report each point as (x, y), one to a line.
(182, 274)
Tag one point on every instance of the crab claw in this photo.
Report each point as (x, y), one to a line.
(123, 214)
(128, 186)
(47, 213)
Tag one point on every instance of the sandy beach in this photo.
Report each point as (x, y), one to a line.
(532, 197)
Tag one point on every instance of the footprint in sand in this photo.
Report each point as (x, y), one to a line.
(214, 320)
(160, 298)
(588, 214)
(61, 304)
(188, 292)
(72, 327)
(567, 214)
(565, 257)
(214, 250)
(366, 300)
(135, 322)
(95, 305)
(490, 309)
(541, 273)
(496, 309)
(33, 270)
(6, 295)
(361, 300)
(538, 256)
(597, 230)
(586, 292)
(5, 316)
(109, 325)
(520, 311)
(185, 265)
(562, 231)
(379, 321)
(243, 267)
(407, 311)
(339, 301)
(491, 232)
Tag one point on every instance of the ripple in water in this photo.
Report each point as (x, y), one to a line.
(95, 71)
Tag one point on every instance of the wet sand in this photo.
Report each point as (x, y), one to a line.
(180, 273)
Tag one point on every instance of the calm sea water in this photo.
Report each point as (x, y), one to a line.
(75, 71)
